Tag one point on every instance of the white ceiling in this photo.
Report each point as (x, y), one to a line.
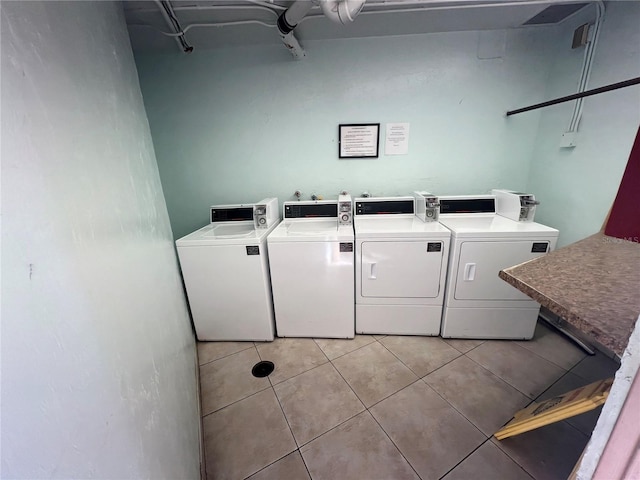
(378, 18)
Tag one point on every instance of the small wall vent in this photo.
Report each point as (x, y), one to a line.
(555, 14)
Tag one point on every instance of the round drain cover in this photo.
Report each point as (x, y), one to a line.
(262, 369)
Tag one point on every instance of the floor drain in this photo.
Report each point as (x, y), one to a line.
(262, 369)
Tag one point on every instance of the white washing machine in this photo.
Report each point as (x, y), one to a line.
(225, 267)
(478, 303)
(401, 265)
(311, 258)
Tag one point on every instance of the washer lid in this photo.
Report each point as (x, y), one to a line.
(396, 226)
(225, 233)
(484, 226)
(311, 230)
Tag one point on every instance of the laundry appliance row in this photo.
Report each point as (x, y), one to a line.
(410, 265)
(225, 268)
(479, 304)
(248, 272)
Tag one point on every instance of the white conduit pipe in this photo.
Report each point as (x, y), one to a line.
(225, 7)
(169, 23)
(186, 48)
(342, 11)
(586, 66)
(267, 4)
(221, 24)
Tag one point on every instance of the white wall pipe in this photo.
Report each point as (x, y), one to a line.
(586, 66)
(288, 21)
(292, 43)
(342, 11)
(297, 11)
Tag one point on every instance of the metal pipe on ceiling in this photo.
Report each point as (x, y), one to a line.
(172, 21)
(340, 11)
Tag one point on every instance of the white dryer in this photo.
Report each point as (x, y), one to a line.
(225, 267)
(311, 257)
(478, 303)
(401, 264)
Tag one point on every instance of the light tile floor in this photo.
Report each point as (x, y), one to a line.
(391, 407)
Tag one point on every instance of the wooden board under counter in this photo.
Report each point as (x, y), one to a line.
(593, 284)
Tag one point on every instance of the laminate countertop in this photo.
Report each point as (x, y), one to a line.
(593, 284)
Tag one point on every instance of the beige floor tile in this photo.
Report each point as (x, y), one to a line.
(430, 433)
(547, 453)
(517, 366)
(585, 422)
(374, 373)
(252, 435)
(336, 347)
(316, 401)
(291, 356)
(488, 462)
(229, 379)
(246, 437)
(290, 467)
(210, 351)
(422, 355)
(596, 367)
(552, 346)
(486, 400)
(463, 345)
(357, 449)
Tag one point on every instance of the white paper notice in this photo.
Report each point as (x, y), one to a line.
(397, 142)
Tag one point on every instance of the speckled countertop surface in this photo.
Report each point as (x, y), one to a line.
(593, 284)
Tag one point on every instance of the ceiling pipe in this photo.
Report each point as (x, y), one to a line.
(170, 18)
(288, 21)
(342, 11)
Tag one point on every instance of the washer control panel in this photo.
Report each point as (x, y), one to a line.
(385, 206)
(231, 213)
(345, 212)
(517, 206)
(265, 213)
(427, 206)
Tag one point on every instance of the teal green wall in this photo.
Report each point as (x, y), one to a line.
(238, 124)
(580, 184)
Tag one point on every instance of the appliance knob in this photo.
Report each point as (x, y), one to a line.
(345, 218)
(262, 221)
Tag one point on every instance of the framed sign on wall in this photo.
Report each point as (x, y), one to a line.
(358, 140)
